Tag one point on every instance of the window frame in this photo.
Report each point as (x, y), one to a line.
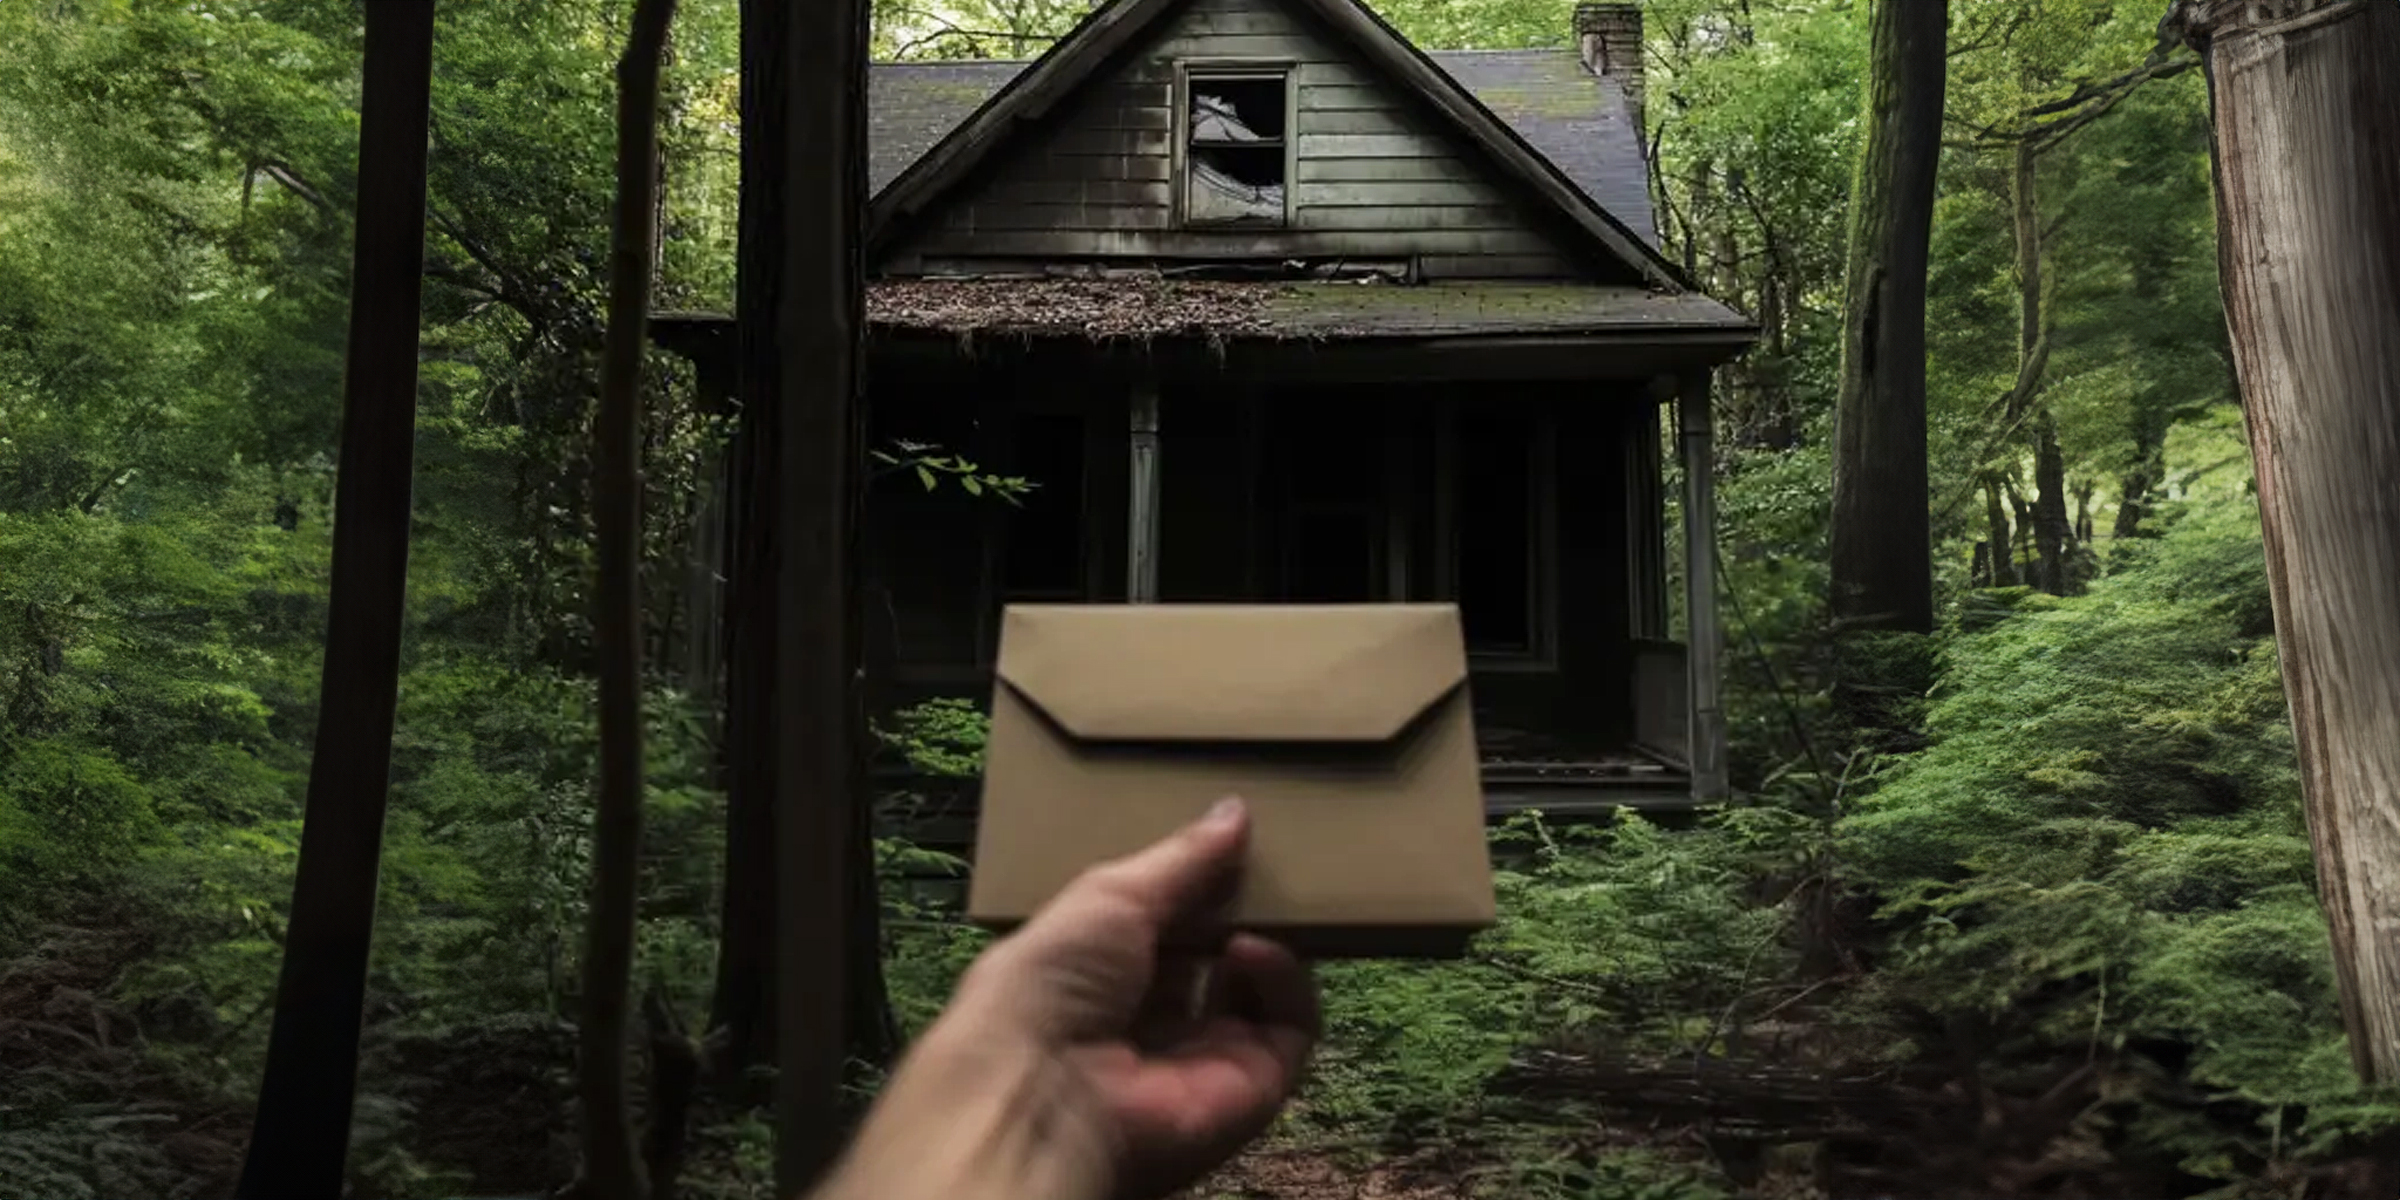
(1283, 70)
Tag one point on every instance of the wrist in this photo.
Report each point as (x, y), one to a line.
(969, 1116)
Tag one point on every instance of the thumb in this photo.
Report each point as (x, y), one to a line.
(1092, 949)
(1172, 880)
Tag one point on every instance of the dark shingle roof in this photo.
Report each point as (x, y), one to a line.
(1576, 119)
(912, 105)
(1573, 118)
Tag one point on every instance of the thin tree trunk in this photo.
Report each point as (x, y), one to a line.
(2149, 466)
(1882, 527)
(2053, 530)
(302, 1134)
(2004, 566)
(612, 1166)
(2026, 554)
(1696, 205)
(2307, 148)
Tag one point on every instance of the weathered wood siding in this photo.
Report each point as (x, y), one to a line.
(1375, 176)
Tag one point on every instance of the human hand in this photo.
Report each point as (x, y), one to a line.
(1071, 1063)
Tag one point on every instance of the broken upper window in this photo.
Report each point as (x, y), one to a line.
(1234, 148)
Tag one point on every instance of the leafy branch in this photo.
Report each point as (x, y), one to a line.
(931, 467)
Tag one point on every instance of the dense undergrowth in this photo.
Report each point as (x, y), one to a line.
(2096, 867)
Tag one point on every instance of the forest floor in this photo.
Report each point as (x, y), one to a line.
(1305, 1174)
(81, 1092)
(97, 1089)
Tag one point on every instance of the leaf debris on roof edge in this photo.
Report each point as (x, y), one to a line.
(1135, 308)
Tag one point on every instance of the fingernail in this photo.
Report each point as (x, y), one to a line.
(1224, 812)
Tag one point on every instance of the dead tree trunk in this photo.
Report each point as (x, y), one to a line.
(612, 1168)
(1882, 525)
(302, 1133)
(2306, 110)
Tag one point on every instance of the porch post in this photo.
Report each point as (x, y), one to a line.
(1707, 736)
(1141, 524)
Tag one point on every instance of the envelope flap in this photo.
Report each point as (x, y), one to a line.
(1202, 672)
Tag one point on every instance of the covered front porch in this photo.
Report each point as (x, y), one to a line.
(1498, 446)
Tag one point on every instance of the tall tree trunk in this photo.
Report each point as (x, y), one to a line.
(819, 323)
(612, 1168)
(302, 1133)
(741, 1007)
(2306, 112)
(1882, 526)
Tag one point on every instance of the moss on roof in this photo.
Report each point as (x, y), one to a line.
(1152, 306)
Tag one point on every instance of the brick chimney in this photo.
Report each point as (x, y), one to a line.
(1610, 38)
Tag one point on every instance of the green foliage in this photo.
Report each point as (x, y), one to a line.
(2104, 847)
(943, 737)
(1630, 929)
(931, 467)
(86, 1153)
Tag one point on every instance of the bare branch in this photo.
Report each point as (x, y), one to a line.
(291, 181)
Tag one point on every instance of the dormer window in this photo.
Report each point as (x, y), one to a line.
(1236, 147)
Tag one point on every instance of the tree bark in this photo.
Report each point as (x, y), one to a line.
(612, 1168)
(741, 1005)
(302, 1135)
(1882, 527)
(819, 325)
(2306, 111)
(2053, 528)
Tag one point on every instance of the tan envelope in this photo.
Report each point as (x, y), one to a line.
(1346, 728)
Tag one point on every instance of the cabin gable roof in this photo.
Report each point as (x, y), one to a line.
(987, 159)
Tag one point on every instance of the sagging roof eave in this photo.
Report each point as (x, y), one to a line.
(1463, 359)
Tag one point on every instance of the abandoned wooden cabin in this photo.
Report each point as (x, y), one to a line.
(1272, 306)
